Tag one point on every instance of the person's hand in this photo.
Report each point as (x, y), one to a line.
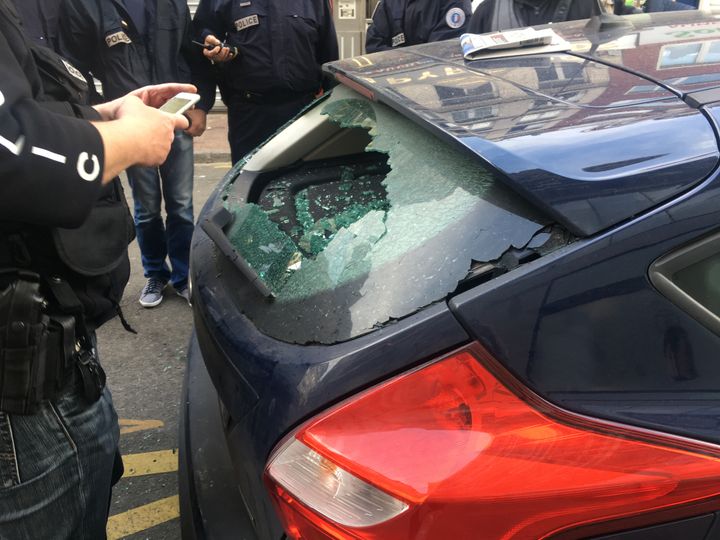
(153, 96)
(156, 95)
(135, 134)
(107, 110)
(153, 130)
(198, 122)
(218, 53)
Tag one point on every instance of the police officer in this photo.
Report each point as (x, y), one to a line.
(269, 54)
(127, 44)
(400, 23)
(63, 264)
(496, 15)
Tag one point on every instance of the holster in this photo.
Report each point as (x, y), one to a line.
(23, 344)
(41, 343)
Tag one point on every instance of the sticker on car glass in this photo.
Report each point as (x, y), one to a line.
(246, 22)
(455, 18)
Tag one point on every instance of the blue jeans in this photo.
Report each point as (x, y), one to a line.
(158, 241)
(56, 467)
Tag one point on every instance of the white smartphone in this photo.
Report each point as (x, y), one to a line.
(180, 103)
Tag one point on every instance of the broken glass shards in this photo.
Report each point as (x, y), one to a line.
(261, 244)
(347, 244)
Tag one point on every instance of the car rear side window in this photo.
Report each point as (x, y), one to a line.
(690, 277)
(370, 228)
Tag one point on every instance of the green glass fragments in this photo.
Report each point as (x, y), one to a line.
(362, 230)
(265, 248)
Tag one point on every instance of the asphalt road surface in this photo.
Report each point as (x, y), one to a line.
(145, 373)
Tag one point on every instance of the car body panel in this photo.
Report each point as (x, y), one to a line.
(639, 373)
(211, 504)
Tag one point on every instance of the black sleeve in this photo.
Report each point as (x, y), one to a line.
(378, 33)
(327, 49)
(201, 74)
(443, 28)
(51, 166)
(81, 40)
(77, 37)
(208, 19)
(480, 22)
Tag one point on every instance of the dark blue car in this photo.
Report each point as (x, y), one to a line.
(469, 299)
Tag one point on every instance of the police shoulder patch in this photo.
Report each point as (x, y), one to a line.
(72, 70)
(455, 17)
(118, 37)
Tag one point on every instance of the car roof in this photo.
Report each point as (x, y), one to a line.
(594, 135)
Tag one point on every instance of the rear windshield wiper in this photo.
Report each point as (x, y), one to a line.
(215, 226)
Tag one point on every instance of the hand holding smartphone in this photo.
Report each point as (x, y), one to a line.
(180, 103)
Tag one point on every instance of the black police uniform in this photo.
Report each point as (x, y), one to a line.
(57, 220)
(63, 267)
(281, 46)
(400, 23)
(103, 38)
(496, 15)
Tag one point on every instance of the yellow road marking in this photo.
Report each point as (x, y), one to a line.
(163, 461)
(141, 518)
(131, 426)
(222, 165)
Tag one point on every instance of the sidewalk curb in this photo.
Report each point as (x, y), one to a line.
(212, 146)
(212, 157)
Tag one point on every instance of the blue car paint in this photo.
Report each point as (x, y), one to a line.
(270, 387)
(619, 369)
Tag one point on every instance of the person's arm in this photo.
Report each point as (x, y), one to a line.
(450, 22)
(209, 25)
(95, 51)
(327, 48)
(208, 19)
(201, 76)
(124, 148)
(52, 166)
(76, 37)
(135, 113)
(378, 33)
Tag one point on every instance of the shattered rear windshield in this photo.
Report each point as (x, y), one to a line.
(351, 243)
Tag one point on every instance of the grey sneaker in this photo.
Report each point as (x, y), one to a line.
(152, 293)
(184, 293)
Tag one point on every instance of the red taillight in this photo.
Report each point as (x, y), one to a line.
(470, 459)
